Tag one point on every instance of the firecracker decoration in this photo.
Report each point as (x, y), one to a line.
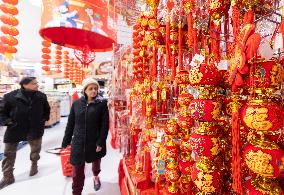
(46, 51)
(8, 18)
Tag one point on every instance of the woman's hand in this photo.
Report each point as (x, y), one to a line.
(99, 148)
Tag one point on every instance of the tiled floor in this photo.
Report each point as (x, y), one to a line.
(50, 181)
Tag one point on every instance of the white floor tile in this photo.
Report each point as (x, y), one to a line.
(49, 180)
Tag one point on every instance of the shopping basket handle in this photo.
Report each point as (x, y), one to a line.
(54, 150)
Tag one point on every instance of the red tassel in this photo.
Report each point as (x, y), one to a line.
(168, 43)
(236, 150)
(157, 186)
(173, 75)
(144, 107)
(161, 71)
(190, 30)
(235, 21)
(154, 65)
(195, 41)
(147, 164)
(180, 46)
(134, 143)
(226, 32)
(130, 105)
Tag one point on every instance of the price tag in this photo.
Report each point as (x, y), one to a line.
(197, 60)
(159, 137)
(223, 65)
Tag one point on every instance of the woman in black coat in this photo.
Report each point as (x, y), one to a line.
(87, 131)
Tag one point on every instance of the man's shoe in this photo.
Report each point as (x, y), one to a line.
(34, 169)
(97, 184)
(5, 181)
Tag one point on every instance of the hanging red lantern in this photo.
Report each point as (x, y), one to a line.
(9, 19)
(9, 9)
(46, 43)
(171, 128)
(185, 163)
(261, 186)
(264, 158)
(46, 56)
(172, 172)
(10, 30)
(204, 74)
(46, 50)
(12, 2)
(207, 178)
(9, 40)
(262, 116)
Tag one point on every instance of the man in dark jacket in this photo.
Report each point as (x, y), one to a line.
(24, 112)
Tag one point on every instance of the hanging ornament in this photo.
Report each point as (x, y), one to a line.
(8, 7)
(58, 58)
(46, 56)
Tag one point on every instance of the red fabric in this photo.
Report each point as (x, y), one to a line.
(236, 154)
(77, 38)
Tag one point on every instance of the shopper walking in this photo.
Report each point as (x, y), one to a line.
(87, 131)
(24, 111)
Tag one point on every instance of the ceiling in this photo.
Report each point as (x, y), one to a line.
(29, 47)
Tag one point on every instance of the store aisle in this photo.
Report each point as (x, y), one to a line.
(49, 180)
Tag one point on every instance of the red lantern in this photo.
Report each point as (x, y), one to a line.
(185, 145)
(46, 43)
(264, 158)
(9, 9)
(172, 172)
(172, 149)
(259, 186)
(171, 128)
(46, 68)
(46, 50)
(185, 164)
(207, 179)
(46, 56)
(184, 98)
(9, 19)
(12, 2)
(185, 122)
(204, 74)
(185, 184)
(262, 116)
(10, 30)
(265, 76)
(205, 109)
(9, 40)
(208, 146)
(172, 189)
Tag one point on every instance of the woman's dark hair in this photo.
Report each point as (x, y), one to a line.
(26, 80)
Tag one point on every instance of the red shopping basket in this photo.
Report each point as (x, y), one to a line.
(65, 159)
